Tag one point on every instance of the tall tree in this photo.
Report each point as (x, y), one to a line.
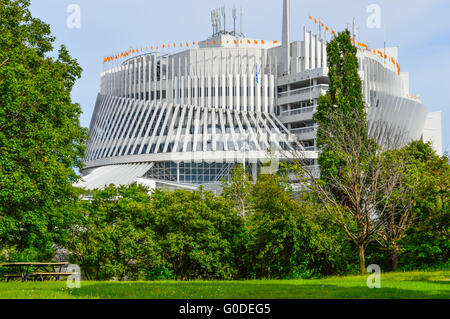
(398, 214)
(41, 140)
(342, 122)
(351, 164)
(344, 96)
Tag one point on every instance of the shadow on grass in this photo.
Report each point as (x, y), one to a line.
(250, 290)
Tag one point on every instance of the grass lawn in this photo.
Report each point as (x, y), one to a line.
(434, 284)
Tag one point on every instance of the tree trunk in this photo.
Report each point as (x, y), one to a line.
(394, 256)
(362, 259)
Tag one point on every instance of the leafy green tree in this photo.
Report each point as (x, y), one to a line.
(200, 234)
(427, 241)
(285, 238)
(348, 161)
(124, 232)
(417, 220)
(352, 170)
(111, 236)
(41, 140)
(344, 93)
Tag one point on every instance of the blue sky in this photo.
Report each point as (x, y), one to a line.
(420, 28)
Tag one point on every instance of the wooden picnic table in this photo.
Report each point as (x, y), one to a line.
(37, 269)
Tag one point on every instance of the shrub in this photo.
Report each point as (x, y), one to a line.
(199, 233)
(286, 236)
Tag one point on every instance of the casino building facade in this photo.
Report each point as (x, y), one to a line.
(185, 119)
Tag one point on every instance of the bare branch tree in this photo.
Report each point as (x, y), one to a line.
(399, 213)
(359, 195)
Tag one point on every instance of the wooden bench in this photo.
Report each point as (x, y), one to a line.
(37, 270)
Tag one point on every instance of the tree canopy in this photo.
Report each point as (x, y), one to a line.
(41, 140)
(344, 93)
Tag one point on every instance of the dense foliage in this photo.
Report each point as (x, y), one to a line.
(424, 240)
(199, 234)
(126, 233)
(427, 241)
(344, 93)
(288, 237)
(40, 136)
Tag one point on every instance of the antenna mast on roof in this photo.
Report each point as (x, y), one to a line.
(218, 20)
(384, 42)
(224, 14)
(286, 37)
(242, 12)
(213, 21)
(234, 20)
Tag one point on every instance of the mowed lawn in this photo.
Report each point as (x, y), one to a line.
(414, 285)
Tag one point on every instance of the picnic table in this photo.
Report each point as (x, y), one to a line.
(41, 270)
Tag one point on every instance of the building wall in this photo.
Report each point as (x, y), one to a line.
(432, 131)
(206, 104)
(232, 102)
(392, 111)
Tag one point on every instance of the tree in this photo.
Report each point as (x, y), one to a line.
(110, 236)
(124, 232)
(344, 96)
(199, 234)
(41, 140)
(416, 228)
(286, 240)
(398, 212)
(427, 240)
(352, 174)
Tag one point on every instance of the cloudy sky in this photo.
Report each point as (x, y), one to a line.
(420, 28)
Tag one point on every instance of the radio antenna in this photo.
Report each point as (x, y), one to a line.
(213, 21)
(218, 22)
(234, 20)
(224, 14)
(242, 13)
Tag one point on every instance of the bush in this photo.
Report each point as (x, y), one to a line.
(287, 239)
(199, 234)
(127, 234)
(109, 239)
(427, 241)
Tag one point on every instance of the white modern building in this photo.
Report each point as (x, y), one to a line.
(186, 119)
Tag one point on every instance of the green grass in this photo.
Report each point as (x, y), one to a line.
(433, 284)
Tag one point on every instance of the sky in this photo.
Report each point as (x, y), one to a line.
(420, 28)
